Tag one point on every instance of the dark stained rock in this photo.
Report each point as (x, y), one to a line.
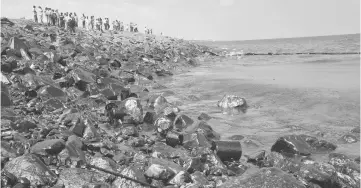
(292, 145)
(5, 100)
(150, 117)
(78, 128)
(265, 177)
(348, 139)
(31, 167)
(7, 179)
(227, 150)
(206, 129)
(301, 145)
(174, 138)
(51, 91)
(23, 126)
(50, 147)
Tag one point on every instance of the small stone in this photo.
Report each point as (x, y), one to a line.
(159, 172)
(204, 117)
(356, 130)
(348, 139)
(129, 131)
(174, 138)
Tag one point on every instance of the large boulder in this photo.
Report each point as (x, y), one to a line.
(50, 147)
(265, 177)
(303, 145)
(232, 104)
(31, 167)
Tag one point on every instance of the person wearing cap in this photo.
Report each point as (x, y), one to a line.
(35, 14)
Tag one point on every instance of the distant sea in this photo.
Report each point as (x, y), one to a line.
(335, 43)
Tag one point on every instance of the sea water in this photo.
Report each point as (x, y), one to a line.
(317, 95)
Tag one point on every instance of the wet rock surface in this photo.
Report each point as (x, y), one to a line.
(83, 110)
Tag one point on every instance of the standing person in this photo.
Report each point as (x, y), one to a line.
(46, 15)
(121, 26)
(71, 23)
(101, 24)
(35, 14)
(131, 27)
(61, 18)
(87, 23)
(97, 24)
(92, 22)
(40, 14)
(146, 30)
(107, 24)
(127, 27)
(54, 17)
(82, 18)
(135, 28)
(57, 18)
(76, 20)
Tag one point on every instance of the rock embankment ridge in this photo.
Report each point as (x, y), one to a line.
(81, 110)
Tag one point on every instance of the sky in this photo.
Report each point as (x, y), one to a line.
(214, 19)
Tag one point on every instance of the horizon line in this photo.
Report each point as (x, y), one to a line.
(207, 40)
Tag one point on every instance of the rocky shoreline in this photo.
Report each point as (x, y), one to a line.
(80, 110)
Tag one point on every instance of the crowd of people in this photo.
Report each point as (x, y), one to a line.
(70, 21)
